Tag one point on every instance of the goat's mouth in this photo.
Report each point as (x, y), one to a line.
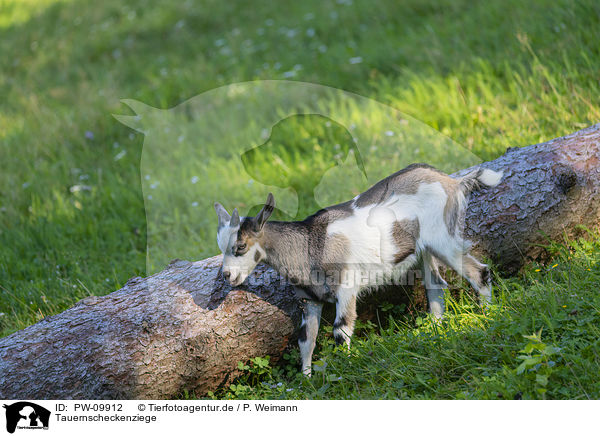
(237, 280)
(234, 274)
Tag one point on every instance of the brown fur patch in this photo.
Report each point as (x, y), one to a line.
(451, 209)
(407, 182)
(405, 234)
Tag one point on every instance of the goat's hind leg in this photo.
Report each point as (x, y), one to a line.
(477, 273)
(307, 337)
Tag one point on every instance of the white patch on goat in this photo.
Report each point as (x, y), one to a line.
(371, 241)
(369, 229)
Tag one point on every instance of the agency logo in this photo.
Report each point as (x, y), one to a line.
(310, 145)
(26, 415)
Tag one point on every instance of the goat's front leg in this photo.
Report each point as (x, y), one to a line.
(345, 315)
(307, 337)
(435, 285)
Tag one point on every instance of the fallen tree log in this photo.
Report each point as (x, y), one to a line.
(548, 191)
(185, 328)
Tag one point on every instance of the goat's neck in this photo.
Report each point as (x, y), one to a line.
(286, 245)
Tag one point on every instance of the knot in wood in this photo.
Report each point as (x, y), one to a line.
(566, 178)
(146, 325)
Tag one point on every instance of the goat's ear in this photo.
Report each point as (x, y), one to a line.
(235, 218)
(222, 214)
(264, 214)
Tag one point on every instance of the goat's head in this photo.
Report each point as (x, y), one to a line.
(239, 240)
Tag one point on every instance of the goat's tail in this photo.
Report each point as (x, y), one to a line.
(479, 178)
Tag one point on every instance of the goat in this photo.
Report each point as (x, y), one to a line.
(413, 214)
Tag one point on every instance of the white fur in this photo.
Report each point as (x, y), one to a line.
(369, 231)
(490, 177)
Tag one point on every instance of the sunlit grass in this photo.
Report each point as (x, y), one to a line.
(15, 12)
(546, 319)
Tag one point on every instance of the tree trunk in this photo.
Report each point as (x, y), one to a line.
(548, 191)
(182, 328)
(185, 329)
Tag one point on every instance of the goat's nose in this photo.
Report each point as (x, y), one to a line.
(226, 274)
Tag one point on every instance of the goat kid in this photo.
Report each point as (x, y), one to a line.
(361, 244)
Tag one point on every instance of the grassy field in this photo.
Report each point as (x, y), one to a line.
(488, 75)
(539, 342)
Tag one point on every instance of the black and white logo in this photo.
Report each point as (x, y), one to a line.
(26, 415)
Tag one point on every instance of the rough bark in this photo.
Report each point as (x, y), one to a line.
(182, 328)
(185, 329)
(548, 191)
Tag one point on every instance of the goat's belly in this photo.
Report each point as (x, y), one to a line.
(375, 275)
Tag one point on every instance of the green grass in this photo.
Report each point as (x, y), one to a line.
(73, 197)
(539, 342)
